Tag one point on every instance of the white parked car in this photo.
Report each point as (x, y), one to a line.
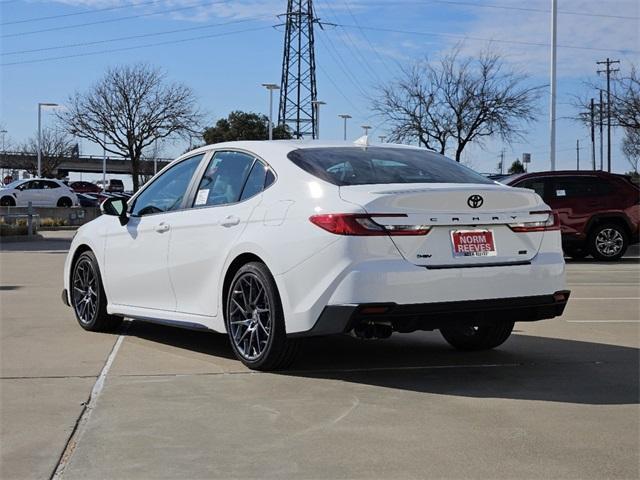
(273, 241)
(41, 192)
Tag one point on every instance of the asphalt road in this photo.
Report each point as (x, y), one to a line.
(558, 400)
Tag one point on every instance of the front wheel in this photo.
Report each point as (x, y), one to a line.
(608, 242)
(7, 201)
(255, 320)
(88, 299)
(477, 337)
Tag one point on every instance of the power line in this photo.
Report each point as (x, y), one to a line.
(112, 20)
(86, 12)
(496, 40)
(132, 37)
(340, 62)
(356, 53)
(123, 49)
(508, 7)
(364, 35)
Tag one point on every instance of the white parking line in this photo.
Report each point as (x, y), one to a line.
(604, 298)
(602, 321)
(81, 424)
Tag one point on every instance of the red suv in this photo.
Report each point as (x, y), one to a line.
(599, 212)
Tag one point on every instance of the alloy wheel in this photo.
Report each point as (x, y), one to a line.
(609, 242)
(85, 291)
(250, 316)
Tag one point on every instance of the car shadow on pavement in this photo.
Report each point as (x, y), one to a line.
(207, 342)
(592, 261)
(525, 367)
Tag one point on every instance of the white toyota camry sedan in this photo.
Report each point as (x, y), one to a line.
(274, 241)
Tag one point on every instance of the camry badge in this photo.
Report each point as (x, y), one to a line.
(475, 201)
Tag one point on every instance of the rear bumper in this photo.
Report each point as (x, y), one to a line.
(431, 316)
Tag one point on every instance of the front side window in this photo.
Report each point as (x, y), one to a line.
(535, 184)
(223, 181)
(168, 190)
(32, 185)
(344, 166)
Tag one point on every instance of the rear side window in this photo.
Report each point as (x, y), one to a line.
(223, 181)
(571, 187)
(255, 182)
(375, 165)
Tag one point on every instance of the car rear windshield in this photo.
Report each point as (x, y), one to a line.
(344, 166)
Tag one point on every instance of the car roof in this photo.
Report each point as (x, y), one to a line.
(276, 151)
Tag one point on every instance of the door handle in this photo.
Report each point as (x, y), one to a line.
(230, 221)
(162, 227)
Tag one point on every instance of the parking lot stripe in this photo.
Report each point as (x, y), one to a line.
(81, 424)
(604, 298)
(602, 321)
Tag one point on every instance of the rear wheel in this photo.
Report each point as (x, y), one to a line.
(65, 202)
(88, 299)
(7, 201)
(608, 242)
(477, 338)
(255, 320)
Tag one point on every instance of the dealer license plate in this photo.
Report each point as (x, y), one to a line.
(473, 243)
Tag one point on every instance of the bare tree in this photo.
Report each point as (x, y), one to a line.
(625, 111)
(631, 148)
(456, 101)
(133, 106)
(56, 145)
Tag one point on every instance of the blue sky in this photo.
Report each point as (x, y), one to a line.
(243, 50)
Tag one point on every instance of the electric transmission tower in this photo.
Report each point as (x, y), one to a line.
(298, 92)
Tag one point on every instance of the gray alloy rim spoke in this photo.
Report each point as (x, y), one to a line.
(85, 292)
(609, 242)
(249, 316)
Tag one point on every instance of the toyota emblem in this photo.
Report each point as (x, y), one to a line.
(475, 201)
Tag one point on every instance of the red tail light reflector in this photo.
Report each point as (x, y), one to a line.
(551, 223)
(359, 224)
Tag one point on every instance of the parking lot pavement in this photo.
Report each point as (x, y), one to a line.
(558, 400)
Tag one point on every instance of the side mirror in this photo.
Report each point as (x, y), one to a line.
(115, 207)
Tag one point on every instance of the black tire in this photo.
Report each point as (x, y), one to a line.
(88, 299)
(7, 201)
(608, 242)
(576, 253)
(259, 341)
(477, 338)
(65, 202)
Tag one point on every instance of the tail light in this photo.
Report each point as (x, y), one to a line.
(551, 223)
(358, 224)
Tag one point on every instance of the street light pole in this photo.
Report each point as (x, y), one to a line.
(366, 129)
(552, 100)
(271, 87)
(316, 104)
(104, 159)
(344, 117)
(382, 138)
(4, 154)
(40, 105)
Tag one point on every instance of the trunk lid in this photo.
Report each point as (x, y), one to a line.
(469, 222)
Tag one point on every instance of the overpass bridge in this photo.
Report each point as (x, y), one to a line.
(82, 163)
